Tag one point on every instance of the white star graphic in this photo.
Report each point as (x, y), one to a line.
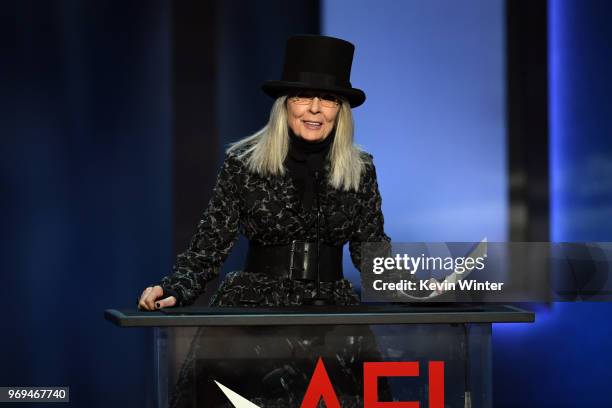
(236, 399)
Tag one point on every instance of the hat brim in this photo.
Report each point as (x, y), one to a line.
(354, 96)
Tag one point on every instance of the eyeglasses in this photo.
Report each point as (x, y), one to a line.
(306, 98)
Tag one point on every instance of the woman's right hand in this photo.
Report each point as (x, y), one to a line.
(150, 299)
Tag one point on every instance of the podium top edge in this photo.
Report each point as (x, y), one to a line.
(348, 315)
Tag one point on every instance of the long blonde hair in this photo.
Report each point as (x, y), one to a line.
(265, 150)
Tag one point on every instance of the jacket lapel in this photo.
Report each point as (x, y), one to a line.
(285, 190)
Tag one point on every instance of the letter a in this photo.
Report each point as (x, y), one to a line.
(320, 387)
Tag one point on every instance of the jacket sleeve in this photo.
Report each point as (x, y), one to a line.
(216, 233)
(370, 220)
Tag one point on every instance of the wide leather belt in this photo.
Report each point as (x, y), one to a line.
(297, 260)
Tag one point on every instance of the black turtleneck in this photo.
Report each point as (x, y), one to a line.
(304, 159)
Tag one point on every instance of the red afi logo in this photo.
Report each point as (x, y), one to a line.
(321, 387)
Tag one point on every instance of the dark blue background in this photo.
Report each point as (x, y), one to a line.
(86, 192)
(565, 358)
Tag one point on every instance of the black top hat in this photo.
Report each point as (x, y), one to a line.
(317, 62)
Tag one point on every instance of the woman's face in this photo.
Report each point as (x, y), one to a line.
(312, 116)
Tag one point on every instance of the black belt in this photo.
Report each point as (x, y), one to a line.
(297, 260)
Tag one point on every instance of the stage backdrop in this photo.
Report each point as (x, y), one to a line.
(434, 120)
(86, 192)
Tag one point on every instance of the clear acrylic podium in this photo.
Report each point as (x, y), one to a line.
(268, 356)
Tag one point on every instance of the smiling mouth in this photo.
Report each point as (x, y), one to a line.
(312, 124)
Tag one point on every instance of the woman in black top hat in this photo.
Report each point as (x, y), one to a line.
(298, 189)
(297, 182)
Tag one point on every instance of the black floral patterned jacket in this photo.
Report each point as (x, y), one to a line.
(268, 211)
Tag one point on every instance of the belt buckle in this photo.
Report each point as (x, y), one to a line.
(299, 263)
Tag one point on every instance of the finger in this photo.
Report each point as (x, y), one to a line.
(145, 292)
(141, 303)
(167, 302)
(152, 296)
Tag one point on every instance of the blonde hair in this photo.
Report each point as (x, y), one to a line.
(265, 150)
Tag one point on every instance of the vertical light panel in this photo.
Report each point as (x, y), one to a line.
(434, 119)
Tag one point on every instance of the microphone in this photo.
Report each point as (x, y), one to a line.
(317, 301)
